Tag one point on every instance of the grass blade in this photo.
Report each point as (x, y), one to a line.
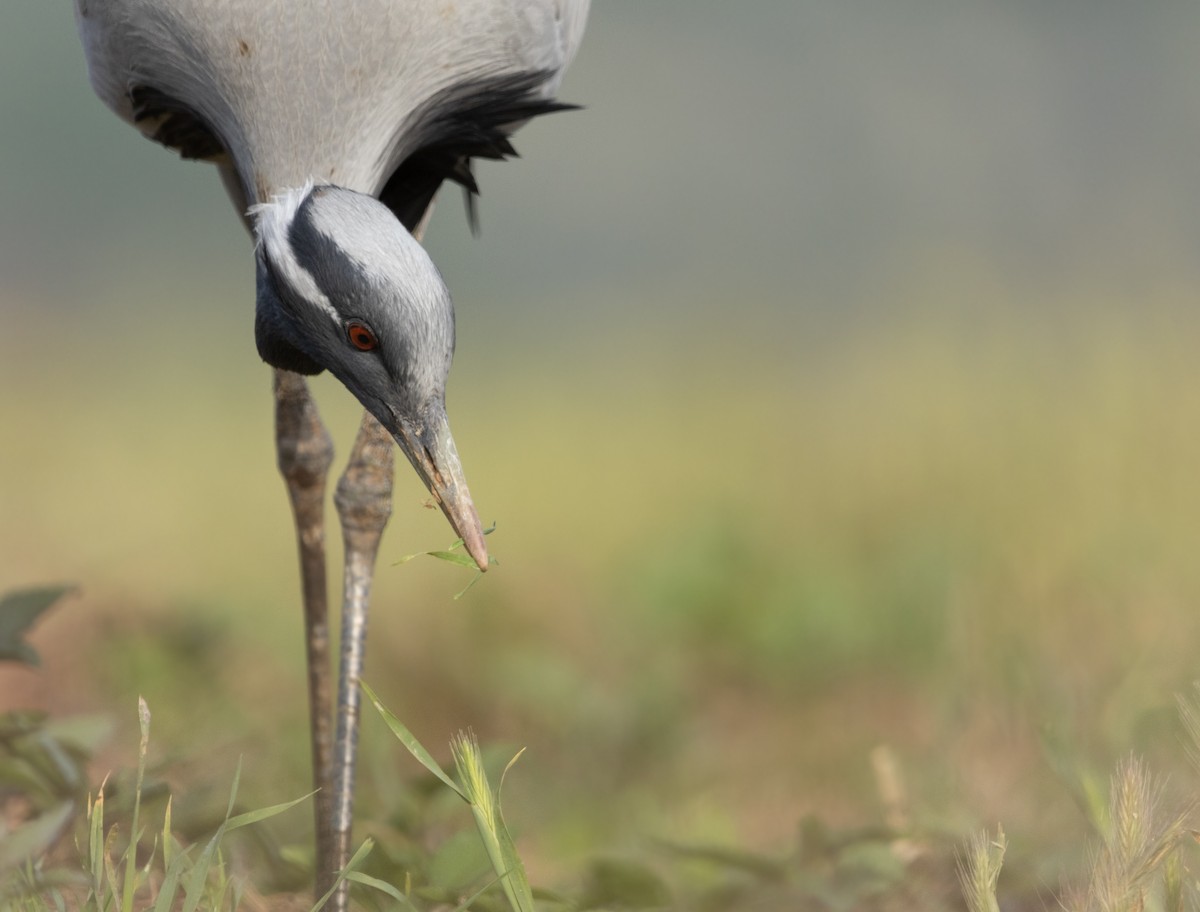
(470, 900)
(453, 557)
(363, 851)
(110, 871)
(170, 884)
(513, 866)
(96, 841)
(233, 789)
(383, 887)
(130, 885)
(447, 553)
(195, 883)
(409, 740)
(485, 808)
(476, 578)
(250, 817)
(168, 846)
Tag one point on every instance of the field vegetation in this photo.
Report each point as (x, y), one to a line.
(788, 608)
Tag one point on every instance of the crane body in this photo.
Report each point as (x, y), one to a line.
(333, 124)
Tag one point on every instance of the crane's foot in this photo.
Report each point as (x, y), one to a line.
(364, 505)
(305, 453)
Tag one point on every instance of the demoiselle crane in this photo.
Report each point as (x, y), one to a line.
(333, 123)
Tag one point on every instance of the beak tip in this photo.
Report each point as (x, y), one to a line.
(465, 521)
(478, 550)
(432, 453)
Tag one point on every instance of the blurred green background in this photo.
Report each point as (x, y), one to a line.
(831, 378)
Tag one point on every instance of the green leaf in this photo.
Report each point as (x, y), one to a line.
(250, 817)
(470, 900)
(521, 894)
(34, 838)
(460, 560)
(233, 789)
(110, 870)
(516, 881)
(409, 740)
(363, 851)
(458, 542)
(130, 886)
(476, 578)
(382, 886)
(168, 838)
(448, 553)
(18, 611)
(485, 808)
(453, 557)
(96, 838)
(194, 884)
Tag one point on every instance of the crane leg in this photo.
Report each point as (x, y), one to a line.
(305, 453)
(364, 505)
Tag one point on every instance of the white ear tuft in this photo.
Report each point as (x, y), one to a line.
(272, 222)
(272, 218)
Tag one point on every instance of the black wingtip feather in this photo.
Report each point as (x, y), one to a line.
(472, 206)
(471, 120)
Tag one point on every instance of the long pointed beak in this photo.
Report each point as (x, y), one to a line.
(430, 448)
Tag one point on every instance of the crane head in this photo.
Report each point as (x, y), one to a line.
(344, 287)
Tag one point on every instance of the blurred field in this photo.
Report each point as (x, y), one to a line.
(733, 562)
(831, 379)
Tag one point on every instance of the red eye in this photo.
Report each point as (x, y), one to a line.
(361, 337)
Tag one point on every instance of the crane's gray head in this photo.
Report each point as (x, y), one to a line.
(343, 287)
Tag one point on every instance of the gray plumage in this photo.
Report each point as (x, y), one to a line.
(333, 122)
(329, 257)
(324, 90)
